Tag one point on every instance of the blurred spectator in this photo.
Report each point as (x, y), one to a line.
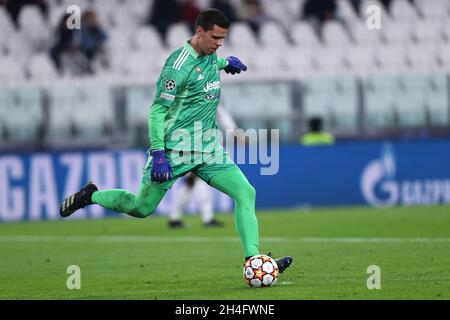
(163, 14)
(15, 6)
(66, 43)
(93, 36)
(189, 13)
(252, 12)
(315, 135)
(319, 11)
(227, 8)
(74, 50)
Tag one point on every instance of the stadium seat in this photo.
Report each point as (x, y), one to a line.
(6, 24)
(266, 69)
(84, 109)
(334, 35)
(137, 103)
(403, 10)
(392, 59)
(138, 66)
(423, 59)
(362, 36)
(146, 39)
(378, 94)
(360, 60)
(241, 35)
(347, 12)
(12, 71)
(333, 99)
(298, 63)
(176, 35)
(303, 35)
(34, 29)
(41, 68)
(437, 100)
(272, 34)
(16, 103)
(428, 32)
(444, 57)
(433, 10)
(292, 10)
(397, 33)
(329, 61)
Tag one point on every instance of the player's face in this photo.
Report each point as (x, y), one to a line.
(212, 39)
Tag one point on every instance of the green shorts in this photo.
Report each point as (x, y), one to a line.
(204, 165)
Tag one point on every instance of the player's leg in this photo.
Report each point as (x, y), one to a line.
(140, 206)
(233, 183)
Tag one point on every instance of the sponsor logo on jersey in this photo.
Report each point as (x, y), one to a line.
(212, 96)
(211, 86)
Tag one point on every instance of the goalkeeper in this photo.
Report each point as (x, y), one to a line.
(182, 115)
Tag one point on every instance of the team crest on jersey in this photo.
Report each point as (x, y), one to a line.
(198, 69)
(170, 84)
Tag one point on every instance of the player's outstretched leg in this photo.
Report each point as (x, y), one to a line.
(140, 206)
(78, 200)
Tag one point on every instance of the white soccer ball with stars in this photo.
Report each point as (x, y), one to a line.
(260, 271)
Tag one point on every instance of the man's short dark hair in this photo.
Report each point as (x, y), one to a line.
(210, 17)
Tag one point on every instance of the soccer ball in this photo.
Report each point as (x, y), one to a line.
(260, 271)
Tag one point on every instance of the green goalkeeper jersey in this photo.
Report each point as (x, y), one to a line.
(189, 89)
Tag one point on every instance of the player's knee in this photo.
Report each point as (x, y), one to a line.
(247, 193)
(143, 211)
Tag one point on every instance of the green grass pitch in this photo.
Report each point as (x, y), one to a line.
(123, 258)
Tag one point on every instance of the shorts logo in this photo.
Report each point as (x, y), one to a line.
(170, 84)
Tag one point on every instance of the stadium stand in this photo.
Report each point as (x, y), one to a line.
(342, 66)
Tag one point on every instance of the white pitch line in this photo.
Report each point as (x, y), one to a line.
(49, 238)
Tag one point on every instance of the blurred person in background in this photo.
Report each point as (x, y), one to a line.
(65, 51)
(253, 13)
(319, 11)
(189, 12)
(14, 7)
(194, 187)
(93, 38)
(193, 68)
(74, 50)
(315, 135)
(164, 13)
(227, 8)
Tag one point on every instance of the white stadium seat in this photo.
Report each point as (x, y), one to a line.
(303, 35)
(298, 63)
(334, 35)
(241, 35)
(423, 59)
(272, 34)
(41, 68)
(403, 10)
(363, 36)
(397, 33)
(177, 35)
(392, 59)
(146, 39)
(361, 60)
(428, 32)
